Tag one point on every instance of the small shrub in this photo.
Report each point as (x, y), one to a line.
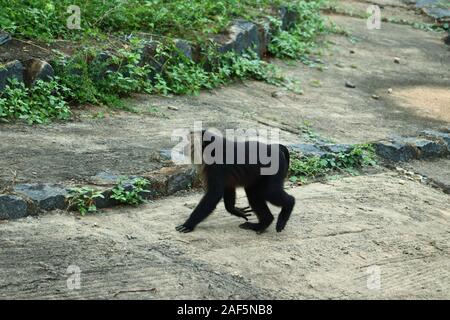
(309, 167)
(133, 195)
(299, 40)
(90, 78)
(45, 101)
(83, 199)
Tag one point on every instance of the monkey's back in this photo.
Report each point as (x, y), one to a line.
(249, 172)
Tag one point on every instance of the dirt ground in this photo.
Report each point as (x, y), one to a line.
(340, 233)
(377, 235)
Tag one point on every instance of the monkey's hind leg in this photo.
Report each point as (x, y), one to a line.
(262, 211)
(286, 202)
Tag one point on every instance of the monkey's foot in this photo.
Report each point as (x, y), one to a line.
(253, 226)
(184, 229)
(281, 224)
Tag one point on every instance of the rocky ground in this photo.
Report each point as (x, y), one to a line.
(343, 233)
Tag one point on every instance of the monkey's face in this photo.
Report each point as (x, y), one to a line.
(196, 146)
(198, 141)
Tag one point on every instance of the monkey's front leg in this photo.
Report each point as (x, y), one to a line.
(229, 199)
(202, 211)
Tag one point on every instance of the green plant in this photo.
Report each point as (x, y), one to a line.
(299, 41)
(39, 104)
(131, 193)
(359, 156)
(97, 75)
(46, 19)
(94, 76)
(83, 199)
(183, 76)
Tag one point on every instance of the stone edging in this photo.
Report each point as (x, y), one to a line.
(428, 144)
(30, 199)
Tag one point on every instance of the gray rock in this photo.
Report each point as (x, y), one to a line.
(13, 207)
(106, 201)
(435, 9)
(10, 70)
(395, 150)
(180, 181)
(150, 57)
(288, 17)
(447, 40)
(103, 64)
(105, 178)
(248, 37)
(241, 36)
(407, 148)
(427, 148)
(166, 154)
(338, 148)
(265, 37)
(4, 37)
(277, 94)
(46, 196)
(184, 48)
(438, 135)
(348, 84)
(36, 69)
(308, 150)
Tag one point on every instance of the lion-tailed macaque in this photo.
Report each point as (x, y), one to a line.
(244, 166)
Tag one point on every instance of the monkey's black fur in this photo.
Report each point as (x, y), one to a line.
(222, 179)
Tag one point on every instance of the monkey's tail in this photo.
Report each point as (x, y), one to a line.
(285, 151)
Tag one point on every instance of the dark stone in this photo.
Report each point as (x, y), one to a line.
(13, 207)
(288, 17)
(427, 148)
(184, 48)
(438, 135)
(435, 9)
(166, 154)
(349, 84)
(265, 36)
(447, 40)
(395, 150)
(4, 37)
(105, 178)
(36, 69)
(10, 70)
(308, 150)
(46, 197)
(241, 36)
(338, 148)
(103, 64)
(106, 201)
(248, 37)
(149, 57)
(180, 181)
(407, 148)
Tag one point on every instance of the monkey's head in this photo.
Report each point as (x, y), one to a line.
(198, 141)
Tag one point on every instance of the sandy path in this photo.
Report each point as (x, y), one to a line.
(338, 231)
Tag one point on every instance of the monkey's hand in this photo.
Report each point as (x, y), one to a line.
(245, 210)
(242, 212)
(184, 229)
